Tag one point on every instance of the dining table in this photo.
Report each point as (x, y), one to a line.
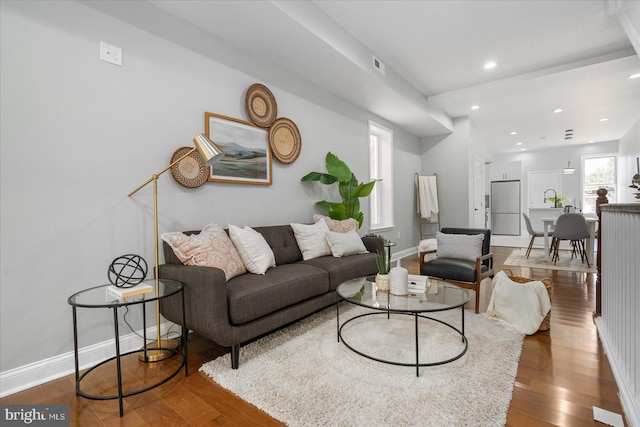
(591, 226)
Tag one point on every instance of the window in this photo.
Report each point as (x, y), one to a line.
(598, 172)
(380, 162)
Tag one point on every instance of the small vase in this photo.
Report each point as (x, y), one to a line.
(382, 282)
(399, 282)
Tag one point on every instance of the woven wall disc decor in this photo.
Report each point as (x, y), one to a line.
(285, 140)
(260, 105)
(190, 172)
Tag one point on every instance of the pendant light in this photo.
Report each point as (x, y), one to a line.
(568, 135)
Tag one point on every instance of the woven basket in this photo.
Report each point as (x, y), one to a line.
(546, 322)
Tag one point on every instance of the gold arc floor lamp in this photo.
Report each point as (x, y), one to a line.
(211, 154)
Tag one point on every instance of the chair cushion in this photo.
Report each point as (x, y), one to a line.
(451, 269)
(461, 246)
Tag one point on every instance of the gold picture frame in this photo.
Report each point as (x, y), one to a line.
(247, 157)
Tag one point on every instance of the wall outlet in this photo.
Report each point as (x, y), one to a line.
(110, 53)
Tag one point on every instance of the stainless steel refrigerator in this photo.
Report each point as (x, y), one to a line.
(505, 208)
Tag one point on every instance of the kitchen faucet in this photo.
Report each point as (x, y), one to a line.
(555, 197)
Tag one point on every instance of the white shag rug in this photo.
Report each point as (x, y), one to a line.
(518, 258)
(302, 376)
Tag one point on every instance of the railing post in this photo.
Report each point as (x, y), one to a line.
(601, 200)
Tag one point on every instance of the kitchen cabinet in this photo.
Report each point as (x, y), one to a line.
(505, 171)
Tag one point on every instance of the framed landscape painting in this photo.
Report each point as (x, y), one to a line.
(247, 158)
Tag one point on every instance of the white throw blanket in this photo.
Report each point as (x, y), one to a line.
(427, 197)
(522, 306)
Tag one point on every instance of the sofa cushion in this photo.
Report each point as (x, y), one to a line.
(344, 244)
(254, 250)
(312, 239)
(210, 248)
(283, 243)
(345, 268)
(252, 296)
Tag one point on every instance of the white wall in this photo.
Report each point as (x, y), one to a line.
(78, 134)
(449, 156)
(555, 159)
(628, 153)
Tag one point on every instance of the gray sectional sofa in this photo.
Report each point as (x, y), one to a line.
(250, 305)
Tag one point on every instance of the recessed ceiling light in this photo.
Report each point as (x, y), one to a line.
(523, 149)
(604, 119)
(558, 110)
(514, 133)
(591, 142)
(475, 107)
(634, 76)
(489, 65)
(518, 143)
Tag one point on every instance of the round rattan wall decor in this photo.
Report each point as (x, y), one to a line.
(190, 172)
(285, 140)
(260, 105)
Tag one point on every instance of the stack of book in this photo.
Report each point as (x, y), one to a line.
(124, 293)
(418, 284)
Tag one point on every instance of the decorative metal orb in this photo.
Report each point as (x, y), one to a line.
(127, 271)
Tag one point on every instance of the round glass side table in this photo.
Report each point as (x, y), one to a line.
(100, 297)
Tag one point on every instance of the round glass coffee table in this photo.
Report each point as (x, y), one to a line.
(439, 297)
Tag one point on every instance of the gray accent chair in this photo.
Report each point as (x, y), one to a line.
(464, 273)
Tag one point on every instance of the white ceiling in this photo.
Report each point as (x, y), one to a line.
(550, 54)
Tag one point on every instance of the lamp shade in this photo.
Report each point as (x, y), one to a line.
(568, 170)
(208, 150)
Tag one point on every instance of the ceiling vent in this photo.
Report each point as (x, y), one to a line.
(378, 65)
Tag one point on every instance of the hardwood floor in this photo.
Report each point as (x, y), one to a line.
(562, 374)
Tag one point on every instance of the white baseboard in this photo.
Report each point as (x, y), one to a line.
(33, 374)
(403, 254)
(627, 400)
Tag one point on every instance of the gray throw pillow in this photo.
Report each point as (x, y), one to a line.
(461, 246)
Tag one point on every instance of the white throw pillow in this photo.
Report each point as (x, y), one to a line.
(254, 250)
(312, 239)
(460, 246)
(343, 244)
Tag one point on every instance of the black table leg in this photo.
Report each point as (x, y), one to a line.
(415, 315)
(75, 347)
(185, 336)
(118, 364)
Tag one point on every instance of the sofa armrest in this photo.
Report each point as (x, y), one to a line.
(373, 244)
(205, 295)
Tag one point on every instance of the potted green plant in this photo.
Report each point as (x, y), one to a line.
(557, 201)
(382, 278)
(348, 186)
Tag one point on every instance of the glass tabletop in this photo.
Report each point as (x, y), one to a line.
(101, 296)
(438, 297)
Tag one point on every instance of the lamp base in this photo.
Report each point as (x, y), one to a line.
(155, 355)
